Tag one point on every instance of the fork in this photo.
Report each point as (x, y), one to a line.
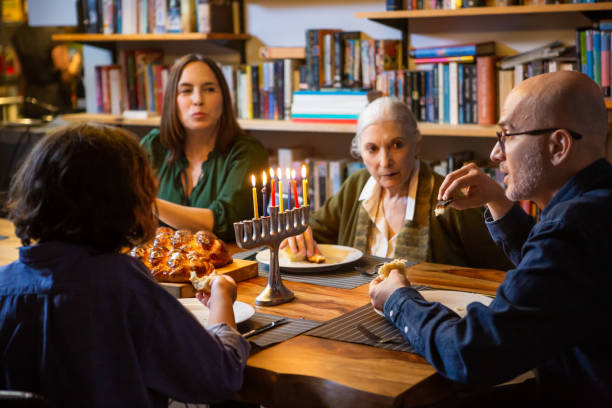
(377, 339)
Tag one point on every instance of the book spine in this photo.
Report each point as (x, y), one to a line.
(453, 93)
(447, 105)
(466, 59)
(444, 52)
(422, 96)
(461, 92)
(173, 17)
(485, 75)
(160, 16)
(436, 85)
(338, 59)
(597, 56)
(475, 101)
(605, 63)
(430, 95)
(203, 13)
(589, 54)
(583, 52)
(441, 110)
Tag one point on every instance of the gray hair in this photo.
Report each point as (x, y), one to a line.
(381, 110)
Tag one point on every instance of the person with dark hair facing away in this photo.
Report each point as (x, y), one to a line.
(553, 311)
(82, 323)
(203, 160)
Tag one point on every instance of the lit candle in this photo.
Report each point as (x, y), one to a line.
(279, 173)
(273, 182)
(288, 178)
(255, 209)
(304, 185)
(294, 183)
(263, 192)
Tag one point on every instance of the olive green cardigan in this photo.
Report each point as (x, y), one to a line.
(454, 238)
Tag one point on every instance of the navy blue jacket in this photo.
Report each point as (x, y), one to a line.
(553, 312)
(92, 329)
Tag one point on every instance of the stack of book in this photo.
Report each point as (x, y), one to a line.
(160, 16)
(136, 83)
(330, 105)
(348, 59)
(454, 85)
(593, 53)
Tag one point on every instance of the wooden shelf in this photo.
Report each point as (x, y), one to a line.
(82, 37)
(427, 129)
(486, 11)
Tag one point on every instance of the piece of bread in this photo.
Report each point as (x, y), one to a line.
(201, 283)
(297, 257)
(399, 264)
(441, 206)
(316, 258)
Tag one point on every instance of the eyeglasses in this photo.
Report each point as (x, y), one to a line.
(501, 135)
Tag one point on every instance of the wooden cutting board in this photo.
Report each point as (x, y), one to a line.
(239, 270)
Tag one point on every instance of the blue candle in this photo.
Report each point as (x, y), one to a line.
(288, 174)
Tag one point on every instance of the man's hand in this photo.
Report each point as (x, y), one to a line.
(479, 190)
(304, 244)
(380, 289)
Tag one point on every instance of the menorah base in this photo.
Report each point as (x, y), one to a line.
(274, 296)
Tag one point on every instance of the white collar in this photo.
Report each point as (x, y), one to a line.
(372, 188)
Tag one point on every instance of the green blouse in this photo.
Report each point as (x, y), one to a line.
(224, 187)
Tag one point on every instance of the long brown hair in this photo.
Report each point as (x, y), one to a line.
(172, 131)
(85, 184)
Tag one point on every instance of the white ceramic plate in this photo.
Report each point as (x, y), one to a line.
(455, 301)
(335, 256)
(242, 311)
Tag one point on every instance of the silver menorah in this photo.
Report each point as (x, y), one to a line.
(271, 231)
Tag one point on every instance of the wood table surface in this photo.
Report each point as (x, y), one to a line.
(310, 371)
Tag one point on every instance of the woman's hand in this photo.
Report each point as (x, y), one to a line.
(304, 244)
(380, 289)
(479, 189)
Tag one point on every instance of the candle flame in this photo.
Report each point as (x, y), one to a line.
(253, 179)
(303, 171)
(287, 173)
(279, 173)
(271, 173)
(264, 177)
(292, 174)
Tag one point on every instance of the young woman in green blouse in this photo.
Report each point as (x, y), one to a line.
(202, 159)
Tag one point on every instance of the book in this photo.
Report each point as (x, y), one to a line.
(486, 48)
(466, 59)
(188, 16)
(331, 104)
(552, 49)
(215, 16)
(506, 83)
(282, 52)
(453, 92)
(487, 99)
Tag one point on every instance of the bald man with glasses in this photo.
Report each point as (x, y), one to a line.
(553, 312)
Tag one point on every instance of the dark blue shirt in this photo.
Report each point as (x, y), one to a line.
(87, 328)
(553, 312)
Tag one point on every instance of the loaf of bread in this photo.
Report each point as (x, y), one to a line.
(176, 256)
(385, 269)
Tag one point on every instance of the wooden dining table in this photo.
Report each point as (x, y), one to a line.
(308, 371)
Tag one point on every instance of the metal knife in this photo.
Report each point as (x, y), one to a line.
(264, 328)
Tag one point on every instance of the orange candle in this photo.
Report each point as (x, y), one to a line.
(255, 207)
(280, 189)
(294, 183)
(304, 185)
(272, 183)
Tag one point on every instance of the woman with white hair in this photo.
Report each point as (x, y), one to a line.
(386, 209)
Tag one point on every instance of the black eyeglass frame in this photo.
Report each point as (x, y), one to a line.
(536, 132)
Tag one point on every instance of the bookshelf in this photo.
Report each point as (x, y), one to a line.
(393, 18)
(98, 38)
(427, 129)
